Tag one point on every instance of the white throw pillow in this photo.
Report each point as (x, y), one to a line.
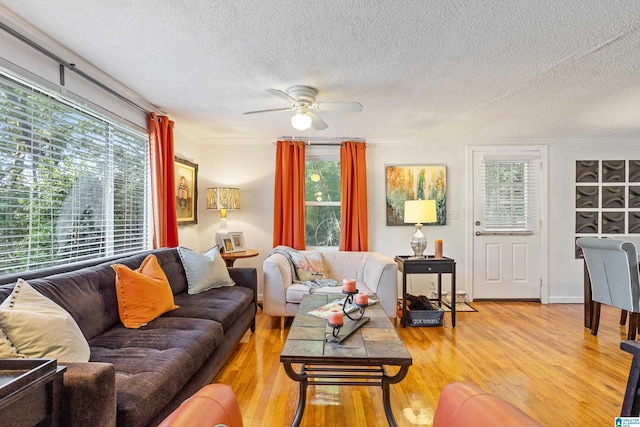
(309, 265)
(206, 271)
(40, 328)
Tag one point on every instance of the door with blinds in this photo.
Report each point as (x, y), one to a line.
(506, 241)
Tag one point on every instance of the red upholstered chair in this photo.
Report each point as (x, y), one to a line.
(212, 405)
(463, 404)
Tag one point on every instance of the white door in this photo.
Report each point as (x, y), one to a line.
(506, 224)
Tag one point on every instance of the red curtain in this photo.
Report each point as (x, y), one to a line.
(353, 195)
(163, 192)
(288, 211)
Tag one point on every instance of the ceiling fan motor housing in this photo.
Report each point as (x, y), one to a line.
(304, 94)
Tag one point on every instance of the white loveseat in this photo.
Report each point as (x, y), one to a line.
(373, 271)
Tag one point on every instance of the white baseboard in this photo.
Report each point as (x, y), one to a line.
(566, 300)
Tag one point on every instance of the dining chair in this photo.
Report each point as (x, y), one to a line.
(613, 271)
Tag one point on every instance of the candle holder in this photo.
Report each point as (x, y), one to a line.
(349, 300)
(336, 329)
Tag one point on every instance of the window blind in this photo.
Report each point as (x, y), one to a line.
(74, 184)
(510, 194)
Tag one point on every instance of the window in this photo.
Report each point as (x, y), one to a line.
(510, 196)
(322, 202)
(74, 185)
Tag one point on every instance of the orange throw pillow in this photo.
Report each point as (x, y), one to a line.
(143, 294)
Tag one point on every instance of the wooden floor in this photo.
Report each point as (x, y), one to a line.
(539, 357)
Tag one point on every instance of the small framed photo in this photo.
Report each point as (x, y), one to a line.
(237, 238)
(227, 244)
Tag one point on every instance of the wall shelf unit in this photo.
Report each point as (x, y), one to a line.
(607, 199)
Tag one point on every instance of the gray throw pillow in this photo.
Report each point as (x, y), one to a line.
(204, 271)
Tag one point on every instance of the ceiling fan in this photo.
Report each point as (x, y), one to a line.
(303, 101)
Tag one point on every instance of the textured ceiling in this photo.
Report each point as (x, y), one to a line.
(424, 70)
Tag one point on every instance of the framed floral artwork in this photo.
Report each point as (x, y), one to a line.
(186, 185)
(413, 182)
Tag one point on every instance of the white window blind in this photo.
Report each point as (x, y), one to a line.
(74, 185)
(510, 194)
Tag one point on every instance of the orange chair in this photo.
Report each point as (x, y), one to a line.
(463, 404)
(214, 404)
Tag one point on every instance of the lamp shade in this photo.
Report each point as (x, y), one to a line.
(420, 211)
(223, 198)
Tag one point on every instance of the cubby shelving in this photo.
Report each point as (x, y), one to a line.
(607, 199)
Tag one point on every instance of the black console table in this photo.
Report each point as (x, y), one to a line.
(427, 265)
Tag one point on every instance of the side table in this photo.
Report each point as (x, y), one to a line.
(231, 257)
(30, 392)
(427, 265)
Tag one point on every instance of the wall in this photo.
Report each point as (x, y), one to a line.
(188, 149)
(565, 272)
(250, 167)
(25, 61)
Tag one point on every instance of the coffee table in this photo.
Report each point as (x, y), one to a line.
(359, 361)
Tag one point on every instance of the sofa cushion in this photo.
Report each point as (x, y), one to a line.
(39, 328)
(154, 362)
(204, 271)
(308, 265)
(295, 292)
(143, 294)
(224, 305)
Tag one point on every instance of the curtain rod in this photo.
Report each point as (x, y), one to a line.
(64, 64)
(322, 142)
(330, 144)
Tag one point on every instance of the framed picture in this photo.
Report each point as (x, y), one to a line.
(186, 182)
(227, 243)
(412, 182)
(237, 238)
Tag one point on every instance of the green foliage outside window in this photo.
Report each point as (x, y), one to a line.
(322, 203)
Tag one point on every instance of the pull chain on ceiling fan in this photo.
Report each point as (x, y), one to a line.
(303, 101)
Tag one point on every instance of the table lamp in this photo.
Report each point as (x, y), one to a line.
(418, 212)
(223, 198)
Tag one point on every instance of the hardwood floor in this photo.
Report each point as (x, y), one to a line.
(538, 357)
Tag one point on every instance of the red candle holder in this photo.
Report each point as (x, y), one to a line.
(335, 320)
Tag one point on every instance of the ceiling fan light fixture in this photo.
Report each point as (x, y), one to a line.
(301, 121)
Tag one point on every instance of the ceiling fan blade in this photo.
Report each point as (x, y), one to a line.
(316, 121)
(268, 111)
(355, 107)
(281, 94)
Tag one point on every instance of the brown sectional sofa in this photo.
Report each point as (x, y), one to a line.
(136, 377)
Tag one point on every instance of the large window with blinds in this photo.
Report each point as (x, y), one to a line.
(74, 185)
(510, 194)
